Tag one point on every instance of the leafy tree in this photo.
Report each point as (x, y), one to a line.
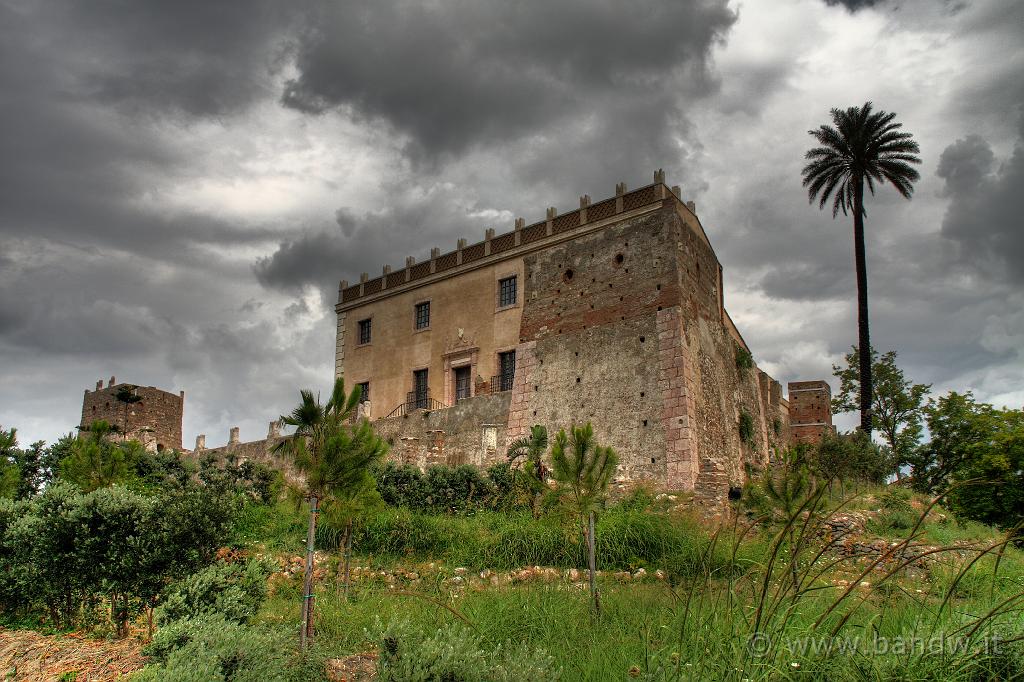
(862, 146)
(335, 457)
(955, 422)
(63, 550)
(963, 433)
(10, 472)
(97, 462)
(992, 471)
(157, 470)
(846, 456)
(531, 450)
(585, 469)
(897, 402)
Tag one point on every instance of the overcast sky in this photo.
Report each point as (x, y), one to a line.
(183, 184)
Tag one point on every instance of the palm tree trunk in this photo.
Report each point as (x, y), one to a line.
(306, 634)
(863, 335)
(592, 561)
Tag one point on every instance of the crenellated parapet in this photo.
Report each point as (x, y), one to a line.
(520, 240)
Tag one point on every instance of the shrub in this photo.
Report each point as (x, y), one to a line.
(896, 511)
(454, 654)
(250, 480)
(155, 470)
(448, 490)
(746, 427)
(234, 591)
(744, 358)
(214, 648)
(64, 550)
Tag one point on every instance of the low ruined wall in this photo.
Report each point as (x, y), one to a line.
(470, 432)
(259, 451)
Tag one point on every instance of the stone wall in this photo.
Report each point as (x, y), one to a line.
(154, 421)
(473, 431)
(260, 451)
(590, 340)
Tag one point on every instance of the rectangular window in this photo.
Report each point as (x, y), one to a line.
(420, 391)
(463, 388)
(507, 291)
(423, 315)
(364, 396)
(364, 331)
(506, 370)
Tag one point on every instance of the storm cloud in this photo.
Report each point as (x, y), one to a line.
(454, 75)
(183, 185)
(986, 204)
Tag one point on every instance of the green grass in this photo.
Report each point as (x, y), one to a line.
(697, 625)
(273, 528)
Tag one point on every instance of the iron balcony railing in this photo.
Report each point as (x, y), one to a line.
(501, 382)
(416, 400)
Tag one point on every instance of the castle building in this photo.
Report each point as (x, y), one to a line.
(142, 413)
(612, 313)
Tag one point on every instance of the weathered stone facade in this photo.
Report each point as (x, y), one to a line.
(153, 417)
(618, 319)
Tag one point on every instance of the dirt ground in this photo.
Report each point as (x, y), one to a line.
(27, 655)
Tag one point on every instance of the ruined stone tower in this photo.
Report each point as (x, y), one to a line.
(142, 413)
(810, 410)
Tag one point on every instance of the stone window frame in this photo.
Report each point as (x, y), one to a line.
(499, 277)
(430, 315)
(359, 332)
(460, 358)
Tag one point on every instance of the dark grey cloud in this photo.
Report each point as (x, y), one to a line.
(853, 5)
(413, 223)
(453, 75)
(132, 131)
(189, 57)
(74, 170)
(983, 220)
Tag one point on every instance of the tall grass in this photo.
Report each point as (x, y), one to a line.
(753, 601)
(627, 539)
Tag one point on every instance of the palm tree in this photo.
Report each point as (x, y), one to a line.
(334, 455)
(531, 448)
(864, 146)
(586, 468)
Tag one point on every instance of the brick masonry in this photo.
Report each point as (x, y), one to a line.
(676, 381)
(810, 410)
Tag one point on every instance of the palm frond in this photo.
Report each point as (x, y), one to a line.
(862, 146)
